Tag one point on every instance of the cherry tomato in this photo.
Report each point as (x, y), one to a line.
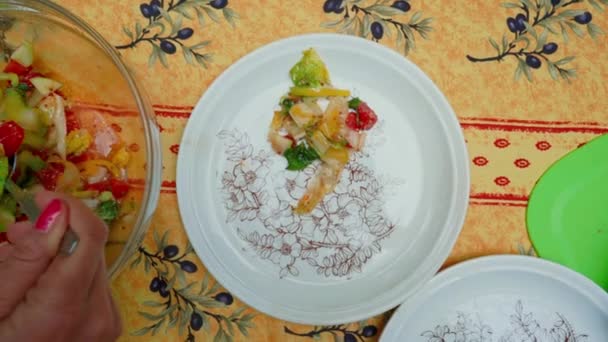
(363, 119)
(16, 68)
(367, 117)
(118, 188)
(50, 174)
(11, 137)
(352, 121)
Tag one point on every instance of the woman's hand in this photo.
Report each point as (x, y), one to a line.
(49, 297)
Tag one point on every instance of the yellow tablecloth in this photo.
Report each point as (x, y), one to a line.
(514, 128)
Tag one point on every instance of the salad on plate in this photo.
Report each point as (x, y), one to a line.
(318, 123)
(44, 144)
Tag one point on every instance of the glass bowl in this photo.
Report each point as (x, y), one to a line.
(105, 96)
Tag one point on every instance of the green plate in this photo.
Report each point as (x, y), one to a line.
(567, 214)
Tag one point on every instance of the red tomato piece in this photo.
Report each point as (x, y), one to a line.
(71, 120)
(50, 174)
(352, 121)
(16, 68)
(11, 137)
(367, 116)
(118, 188)
(27, 77)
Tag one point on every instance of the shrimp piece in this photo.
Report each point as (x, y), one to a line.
(324, 181)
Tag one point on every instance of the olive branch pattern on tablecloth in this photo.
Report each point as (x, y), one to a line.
(524, 327)
(343, 332)
(188, 306)
(338, 238)
(532, 28)
(377, 19)
(164, 28)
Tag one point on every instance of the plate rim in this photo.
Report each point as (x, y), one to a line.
(455, 219)
(499, 262)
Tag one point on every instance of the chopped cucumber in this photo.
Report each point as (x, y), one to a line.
(24, 54)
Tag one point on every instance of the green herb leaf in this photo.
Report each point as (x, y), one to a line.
(299, 157)
(108, 210)
(286, 105)
(354, 103)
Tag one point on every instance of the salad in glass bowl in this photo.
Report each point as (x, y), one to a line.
(108, 151)
(45, 144)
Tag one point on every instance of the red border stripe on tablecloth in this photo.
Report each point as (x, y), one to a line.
(169, 187)
(537, 126)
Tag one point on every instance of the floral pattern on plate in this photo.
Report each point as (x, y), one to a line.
(337, 239)
(524, 326)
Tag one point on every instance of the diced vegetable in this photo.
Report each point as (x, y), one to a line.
(299, 157)
(105, 196)
(45, 85)
(355, 139)
(293, 129)
(60, 126)
(11, 137)
(119, 189)
(363, 119)
(49, 176)
(339, 156)
(333, 119)
(16, 68)
(6, 218)
(108, 210)
(78, 141)
(319, 142)
(8, 202)
(8, 209)
(13, 104)
(91, 167)
(11, 77)
(310, 71)
(35, 98)
(318, 92)
(3, 171)
(31, 161)
(279, 143)
(286, 105)
(35, 141)
(305, 115)
(69, 180)
(24, 54)
(120, 157)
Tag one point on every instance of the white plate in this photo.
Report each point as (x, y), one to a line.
(506, 299)
(388, 228)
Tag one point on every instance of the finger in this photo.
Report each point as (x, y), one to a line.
(70, 277)
(5, 250)
(31, 251)
(16, 230)
(101, 320)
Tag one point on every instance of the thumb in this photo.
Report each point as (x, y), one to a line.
(33, 247)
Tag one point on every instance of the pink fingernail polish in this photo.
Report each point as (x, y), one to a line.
(48, 216)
